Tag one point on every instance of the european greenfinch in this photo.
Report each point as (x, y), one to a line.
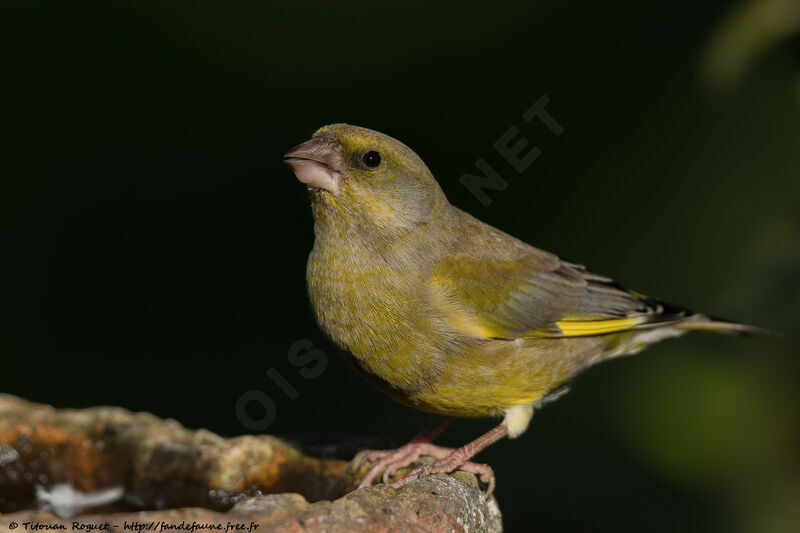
(446, 313)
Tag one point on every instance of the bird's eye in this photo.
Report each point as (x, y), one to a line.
(371, 159)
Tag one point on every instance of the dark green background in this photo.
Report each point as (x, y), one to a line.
(154, 244)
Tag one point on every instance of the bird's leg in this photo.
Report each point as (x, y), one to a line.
(390, 461)
(459, 459)
(434, 430)
(426, 436)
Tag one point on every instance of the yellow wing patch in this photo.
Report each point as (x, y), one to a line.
(585, 327)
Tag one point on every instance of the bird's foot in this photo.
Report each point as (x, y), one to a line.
(390, 461)
(455, 460)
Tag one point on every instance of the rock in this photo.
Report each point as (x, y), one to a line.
(168, 474)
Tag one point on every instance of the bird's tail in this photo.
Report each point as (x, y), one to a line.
(717, 325)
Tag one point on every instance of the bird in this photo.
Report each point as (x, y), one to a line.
(448, 314)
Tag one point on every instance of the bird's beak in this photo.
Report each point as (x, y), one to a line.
(317, 163)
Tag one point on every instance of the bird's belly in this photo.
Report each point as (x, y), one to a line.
(487, 377)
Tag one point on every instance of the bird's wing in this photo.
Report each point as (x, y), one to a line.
(607, 307)
(505, 289)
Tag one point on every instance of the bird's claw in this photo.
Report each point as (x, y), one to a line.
(448, 460)
(450, 464)
(389, 462)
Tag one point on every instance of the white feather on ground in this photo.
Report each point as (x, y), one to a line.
(66, 502)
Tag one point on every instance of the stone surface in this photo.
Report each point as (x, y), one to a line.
(172, 475)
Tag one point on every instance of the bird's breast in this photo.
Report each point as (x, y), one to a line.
(373, 306)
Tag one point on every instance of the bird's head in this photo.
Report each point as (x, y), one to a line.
(366, 178)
